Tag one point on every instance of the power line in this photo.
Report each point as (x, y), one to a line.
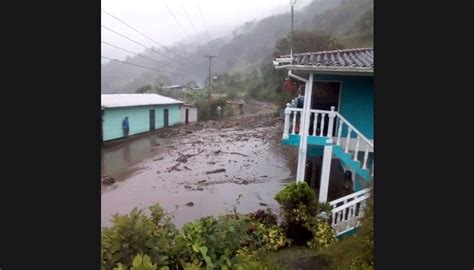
(188, 17)
(128, 63)
(137, 54)
(146, 36)
(174, 16)
(136, 42)
(203, 21)
(136, 65)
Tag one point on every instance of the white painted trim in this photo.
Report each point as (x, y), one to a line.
(352, 195)
(331, 70)
(325, 172)
(352, 142)
(304, 124)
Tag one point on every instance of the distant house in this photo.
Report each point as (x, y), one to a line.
(189, 113)
(145, 112)
(237, 106)
(196, 87)
(175, 87)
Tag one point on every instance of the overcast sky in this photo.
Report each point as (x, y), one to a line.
(155, 18)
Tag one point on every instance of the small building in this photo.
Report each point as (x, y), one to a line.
(176, 87)
(145, 112)
(189, 113)
(237, 106)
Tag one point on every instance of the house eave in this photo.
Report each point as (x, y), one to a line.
(329, 70)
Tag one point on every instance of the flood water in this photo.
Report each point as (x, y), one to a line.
(176, 171)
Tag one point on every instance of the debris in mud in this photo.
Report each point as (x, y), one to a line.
(107, 180)
(160, 158)
(211, 162)
(217, 152)
(263, 204)
(189, 204)
(202, 181)
(235, 153)
(216, 171)
(186, 168)
(187, 186)
(264, 176)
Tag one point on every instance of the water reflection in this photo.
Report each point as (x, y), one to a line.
(117, 158)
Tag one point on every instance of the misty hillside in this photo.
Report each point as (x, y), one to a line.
(245, 49)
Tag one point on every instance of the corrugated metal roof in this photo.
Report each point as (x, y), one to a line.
(360, 60)
(129, 100)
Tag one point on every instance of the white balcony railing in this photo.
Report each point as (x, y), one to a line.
(348, 210)
(329, 124)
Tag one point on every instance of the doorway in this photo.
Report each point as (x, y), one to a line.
(165, 117)
(325, 95)
(152, 120)
(187, 116)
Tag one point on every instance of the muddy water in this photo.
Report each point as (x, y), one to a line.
(176, 171)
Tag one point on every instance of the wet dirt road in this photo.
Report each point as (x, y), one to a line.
(208, 164)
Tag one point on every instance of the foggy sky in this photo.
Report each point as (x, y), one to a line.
(153, 19)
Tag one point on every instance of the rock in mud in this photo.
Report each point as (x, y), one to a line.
(216, 171)
(187, 186)
(263, 204)
(202, 181)
(189, 204)
(107, 180)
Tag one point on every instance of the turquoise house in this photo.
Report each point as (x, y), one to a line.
(145, 112)
(331, 123)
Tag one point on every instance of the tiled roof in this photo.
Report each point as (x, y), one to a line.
(361, 59)
(128, 100)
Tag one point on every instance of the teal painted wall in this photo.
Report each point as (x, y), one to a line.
(356, 101)
(138, 118)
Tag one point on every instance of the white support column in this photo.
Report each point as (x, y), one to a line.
(304, 125)
(325, 172)
(286, 126)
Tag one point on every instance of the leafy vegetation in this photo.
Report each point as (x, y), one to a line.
(300, 210)
(235, 241)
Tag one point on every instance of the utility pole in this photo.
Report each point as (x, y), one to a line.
(292, 2)
(210, 78)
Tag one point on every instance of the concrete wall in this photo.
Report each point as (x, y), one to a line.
(138, 118)
(192, 116)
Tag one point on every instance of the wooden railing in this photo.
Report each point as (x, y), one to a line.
(322, 124)
(348, 210)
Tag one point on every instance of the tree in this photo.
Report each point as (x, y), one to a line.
(143, 89)
(307, 42)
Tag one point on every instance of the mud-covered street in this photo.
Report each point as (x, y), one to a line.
(201, 168)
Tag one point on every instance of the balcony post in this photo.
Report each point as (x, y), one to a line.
(305, 115)
(286, 125)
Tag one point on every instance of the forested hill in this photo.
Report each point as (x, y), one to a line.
(244, 50)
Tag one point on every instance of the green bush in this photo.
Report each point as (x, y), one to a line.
(299, 210)
(298, 204)
(138, 234)
(141, 262)
(265, 217)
